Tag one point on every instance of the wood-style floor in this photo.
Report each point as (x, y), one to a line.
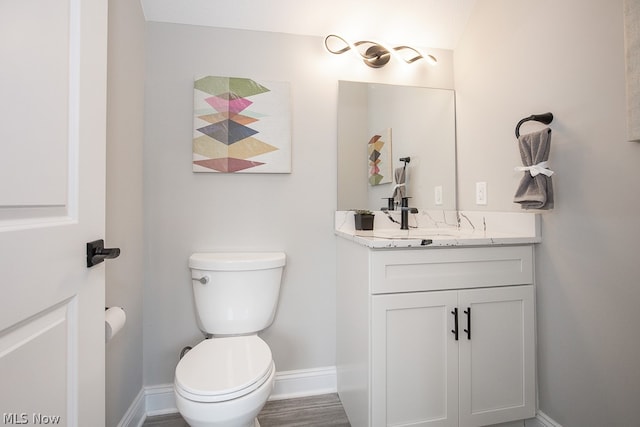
(323, 410)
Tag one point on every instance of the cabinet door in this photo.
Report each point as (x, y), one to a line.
(497, 363)
(414, 360)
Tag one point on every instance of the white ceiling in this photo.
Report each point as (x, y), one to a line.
(421, 23)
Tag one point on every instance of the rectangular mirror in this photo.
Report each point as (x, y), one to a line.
(404, 121)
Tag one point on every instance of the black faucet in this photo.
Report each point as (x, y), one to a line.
(404, 213)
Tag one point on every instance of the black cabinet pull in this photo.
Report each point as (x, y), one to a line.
(468, 330)
(455, 323)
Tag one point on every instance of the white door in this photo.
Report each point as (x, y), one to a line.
(497, 356)
(52, 178)
(415, 360)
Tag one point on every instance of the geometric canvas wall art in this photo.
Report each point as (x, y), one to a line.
(241, 126)
(379, 158)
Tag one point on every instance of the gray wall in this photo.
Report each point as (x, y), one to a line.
(187, 212)
(520, 57)
(124, 202)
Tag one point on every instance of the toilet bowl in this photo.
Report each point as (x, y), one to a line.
(224, 382)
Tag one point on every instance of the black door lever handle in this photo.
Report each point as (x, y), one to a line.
(97, 253)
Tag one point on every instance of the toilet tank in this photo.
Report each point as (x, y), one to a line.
(236, 293)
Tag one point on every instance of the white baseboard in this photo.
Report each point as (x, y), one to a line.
(304, 382)
(541, 420)
(136, 414)
(159, 399)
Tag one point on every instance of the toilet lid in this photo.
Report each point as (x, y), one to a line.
(236, 261)
(220, 369)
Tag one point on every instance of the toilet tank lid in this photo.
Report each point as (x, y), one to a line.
(236, 261)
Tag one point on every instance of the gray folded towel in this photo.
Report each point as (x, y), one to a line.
(399, 191)
(535, 190)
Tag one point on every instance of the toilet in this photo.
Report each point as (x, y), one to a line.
(226, 379)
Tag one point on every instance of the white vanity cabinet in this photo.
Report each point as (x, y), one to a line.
(400, 358)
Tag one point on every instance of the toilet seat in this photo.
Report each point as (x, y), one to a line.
(221, 369)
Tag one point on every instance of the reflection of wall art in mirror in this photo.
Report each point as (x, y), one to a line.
(241, 125)
(380, 158)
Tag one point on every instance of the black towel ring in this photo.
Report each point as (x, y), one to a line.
(545, 118)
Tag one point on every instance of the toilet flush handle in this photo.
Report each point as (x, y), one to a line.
(204, 279)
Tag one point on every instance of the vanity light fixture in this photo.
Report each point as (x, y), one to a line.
(375, 55)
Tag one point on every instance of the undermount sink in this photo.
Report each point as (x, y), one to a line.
(418, 233)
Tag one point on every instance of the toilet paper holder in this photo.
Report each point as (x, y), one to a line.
(114, 320)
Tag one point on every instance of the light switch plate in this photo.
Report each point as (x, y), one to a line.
(438, 195)
(481, 193)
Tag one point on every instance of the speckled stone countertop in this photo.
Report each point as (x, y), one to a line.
(429, 229)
